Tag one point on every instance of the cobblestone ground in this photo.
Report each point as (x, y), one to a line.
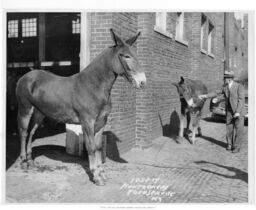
(165, 173)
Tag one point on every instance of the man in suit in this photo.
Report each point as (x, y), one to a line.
(235, 110)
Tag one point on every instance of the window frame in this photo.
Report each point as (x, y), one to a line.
(29, 27)
(209, 36)
(76, 26)
(161, 24)
(202, 34)
(179, 29)
(16, 32)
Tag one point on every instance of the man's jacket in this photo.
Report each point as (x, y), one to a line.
(234, 96)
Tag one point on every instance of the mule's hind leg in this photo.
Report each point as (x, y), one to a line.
(24, 116)
(35, 122)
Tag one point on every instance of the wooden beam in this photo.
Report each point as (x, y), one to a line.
(85, 33)
(41, 35)
(41, 64)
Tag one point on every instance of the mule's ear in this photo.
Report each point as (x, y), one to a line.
(132, 40)
(181, 80)
(118, 41)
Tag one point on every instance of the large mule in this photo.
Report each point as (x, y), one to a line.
(189, 90)
(83, 98)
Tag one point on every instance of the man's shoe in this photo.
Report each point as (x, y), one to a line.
(236, 150)
(229, 148)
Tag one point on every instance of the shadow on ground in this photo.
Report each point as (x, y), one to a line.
(56, 152)
(215, 120)
(239, 174)
(171, 130)
(48, 129)
(214, 141)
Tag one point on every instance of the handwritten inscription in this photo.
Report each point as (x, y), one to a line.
(153, 188)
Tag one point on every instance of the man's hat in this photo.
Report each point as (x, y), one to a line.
(228, 74)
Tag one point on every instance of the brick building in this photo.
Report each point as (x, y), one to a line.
(171, 45)
(238, 47)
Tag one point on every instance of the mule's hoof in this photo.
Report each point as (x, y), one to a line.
(103, 176)
(193, 142)
(31, 163)
(24, 165)
(99, 182)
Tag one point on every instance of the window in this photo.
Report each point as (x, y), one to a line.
(210, 38)
(76, 26)
(180, 26)
(207, 36)
(203, 30)
(161, 20)
(161, 24)
(13, 31)
(29, 27)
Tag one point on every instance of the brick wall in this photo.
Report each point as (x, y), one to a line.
(164, 59)
(120, 128)
(238, 46)
(139, 116)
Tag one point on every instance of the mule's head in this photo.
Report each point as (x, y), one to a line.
(125, 62)
(185, 91)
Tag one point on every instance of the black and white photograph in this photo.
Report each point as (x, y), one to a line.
(126, 107)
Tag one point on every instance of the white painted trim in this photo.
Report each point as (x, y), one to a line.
(211, 55)
(85, 37)
(203, 51)
(163, 32)
(179, 27)
(181, 41)
(161, 20)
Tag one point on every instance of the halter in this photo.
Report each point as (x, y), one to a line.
(124, 64)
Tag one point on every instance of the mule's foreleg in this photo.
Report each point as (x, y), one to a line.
(181, 130)
(195, 126)
(199, 130)
(99, 153)
(88, 132)
(188, 122)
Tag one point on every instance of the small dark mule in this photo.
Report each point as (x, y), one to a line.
(83, 98)
(189, 90)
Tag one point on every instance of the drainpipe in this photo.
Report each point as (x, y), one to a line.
(226, 39)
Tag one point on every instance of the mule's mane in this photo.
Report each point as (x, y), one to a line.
(97, 60)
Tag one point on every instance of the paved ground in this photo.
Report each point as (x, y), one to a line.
(165, 173)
